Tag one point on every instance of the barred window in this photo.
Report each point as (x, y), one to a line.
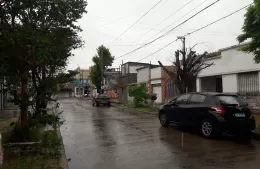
(248, 82)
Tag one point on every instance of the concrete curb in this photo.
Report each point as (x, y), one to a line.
(155, 114)
(63, 162)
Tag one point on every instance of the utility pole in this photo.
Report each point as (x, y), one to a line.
(101, 65)
(183, 63)
(183, 39)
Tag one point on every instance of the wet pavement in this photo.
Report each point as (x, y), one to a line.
(105, 138)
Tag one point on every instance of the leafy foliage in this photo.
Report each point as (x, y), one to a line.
(140, 94)
(95, 75)
(101, 61)
(36, 40)
(187, 69)
(251, 31)
(153, 96)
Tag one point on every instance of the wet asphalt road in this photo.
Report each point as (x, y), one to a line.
(105, 138)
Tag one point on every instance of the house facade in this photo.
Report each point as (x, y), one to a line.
(233, 71)
(127, 78)
(158, 82)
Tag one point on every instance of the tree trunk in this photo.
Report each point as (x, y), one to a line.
(25, 100)
(38, 95)
(43, 97)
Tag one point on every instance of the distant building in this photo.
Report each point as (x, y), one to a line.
(81, 81)
(127, 78)
(111, 77)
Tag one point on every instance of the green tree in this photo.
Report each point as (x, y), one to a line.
(140, 94)
(36, 39)
(95, 75)
(101, 61)
(251, 30)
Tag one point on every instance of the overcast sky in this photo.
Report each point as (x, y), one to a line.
(107, 19)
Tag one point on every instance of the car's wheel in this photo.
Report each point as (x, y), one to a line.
(109, 105)
(208, 129)
(164, 120)
(97, 104)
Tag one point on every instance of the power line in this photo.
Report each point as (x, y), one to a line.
(158, 50)
(176, 21)
(135, 22)
(168, 31)
(198, 30)
(163, 21)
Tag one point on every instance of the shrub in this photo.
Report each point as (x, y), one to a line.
(153, 97)
(139, 92)
(16, 133)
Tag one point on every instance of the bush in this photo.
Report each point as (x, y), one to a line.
(16, 133)
(139, 92)
(153, 97)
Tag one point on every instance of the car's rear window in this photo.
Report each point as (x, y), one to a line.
(230, 100)
(103, 96)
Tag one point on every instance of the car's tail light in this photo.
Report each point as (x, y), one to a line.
(218, 110)
(251, 110)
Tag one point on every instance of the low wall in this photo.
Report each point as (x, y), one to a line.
(253, 100)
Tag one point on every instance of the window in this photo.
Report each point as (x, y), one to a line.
(248, 82)
(230, 100)
(197, 99)
(182, 99)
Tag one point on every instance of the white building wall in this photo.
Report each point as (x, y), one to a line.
(143, 75)
(231, 61)
(156, 82)
(132, 69)
(156, 73)
(230, 83)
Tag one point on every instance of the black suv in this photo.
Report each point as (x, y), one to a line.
(212, 113)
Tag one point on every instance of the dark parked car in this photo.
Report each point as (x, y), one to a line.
(101, 99)
(212, 113)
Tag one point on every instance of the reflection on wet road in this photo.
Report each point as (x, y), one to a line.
(105, 138)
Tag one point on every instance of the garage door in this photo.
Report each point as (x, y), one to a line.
(158, 90)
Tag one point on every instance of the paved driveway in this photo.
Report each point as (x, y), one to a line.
(105, 138)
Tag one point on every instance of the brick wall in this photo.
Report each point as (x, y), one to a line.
(166, 79)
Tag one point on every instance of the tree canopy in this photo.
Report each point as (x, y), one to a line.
(251, 31)
(101, 61)
(36, 40)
